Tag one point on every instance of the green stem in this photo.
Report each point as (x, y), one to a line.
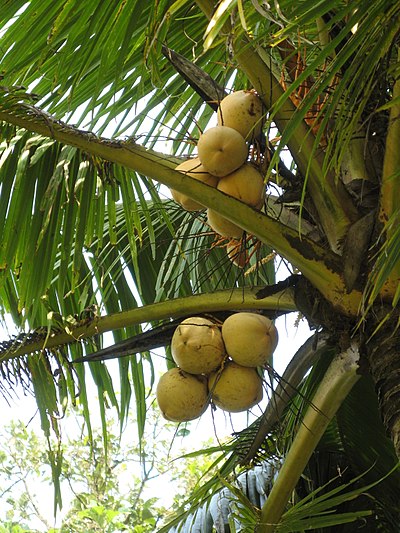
(323, 33)
(229, 299)
(390, 184)
(207, 7)
(321, 267)
(353, 165)
(332, 202)
(390, 187)
(339, 379)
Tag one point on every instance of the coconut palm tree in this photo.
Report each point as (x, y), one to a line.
(90, 242)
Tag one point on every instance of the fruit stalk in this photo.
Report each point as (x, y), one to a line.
(230, 299)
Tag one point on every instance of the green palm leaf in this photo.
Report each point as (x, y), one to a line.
(87, 238)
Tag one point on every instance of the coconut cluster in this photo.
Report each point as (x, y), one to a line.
(216, 363)
(222, 162)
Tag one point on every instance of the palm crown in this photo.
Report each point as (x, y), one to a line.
(84, 216)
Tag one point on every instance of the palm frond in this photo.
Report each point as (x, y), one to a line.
(384, 269)
(110, 75)
(71, 330)
(88, 246)
(378, 458)
(319, 511)
(330, 505)
(253, 444)
(338, 380)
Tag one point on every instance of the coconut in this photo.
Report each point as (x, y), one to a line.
(237, 388)
(197, 346)
(194, 169)
(250, 339)
(237, 253)
(222, 150)
(223, 226)
(182, 396)
(242, 111)
(246, 184)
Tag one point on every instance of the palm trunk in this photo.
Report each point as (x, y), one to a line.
(383, 350)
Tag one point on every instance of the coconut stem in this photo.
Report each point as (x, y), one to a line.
(230, 299)
(339, 379)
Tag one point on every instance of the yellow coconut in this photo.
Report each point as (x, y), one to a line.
(250, 339)
(223, 226)
(182, 396)
(194, 169)
(237, 253)
(197, 346)
(222, 150)
(242, 111)
(237, 388)
(246, 184)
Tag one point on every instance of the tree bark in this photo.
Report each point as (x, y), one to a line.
(383, 351)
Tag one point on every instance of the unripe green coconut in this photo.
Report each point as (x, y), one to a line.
(250, 339)
(222, 150)
(194, 169)
(237, 388)
(182, 396)
(197, 345)
(242, 111)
